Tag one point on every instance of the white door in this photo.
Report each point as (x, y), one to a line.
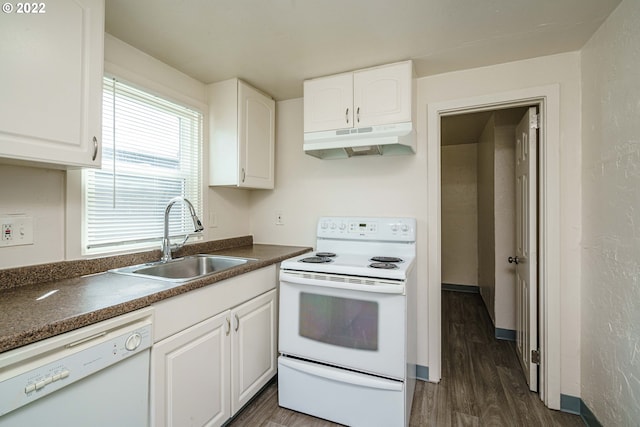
(328, 103)
(190, 380)
(257, 138)
(253, 348)
(383, 95)
(526, 246)
(51, 82)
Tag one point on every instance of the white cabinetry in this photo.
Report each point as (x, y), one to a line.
(253, 348)
(374, 96)
(51, 84)
(191, 375)
(215, 349)
(242, 136)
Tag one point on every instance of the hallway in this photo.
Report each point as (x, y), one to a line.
(482, 382)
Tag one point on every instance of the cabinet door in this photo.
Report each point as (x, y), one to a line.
(51, 83)
(383, 95)
(328, 103)
(253, 347)
(190, 376)
(257, 137)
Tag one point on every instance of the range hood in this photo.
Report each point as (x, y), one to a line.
(383, 140)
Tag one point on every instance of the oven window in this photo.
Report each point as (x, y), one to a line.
(338, 321)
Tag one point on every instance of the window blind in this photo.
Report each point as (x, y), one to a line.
(151, 150)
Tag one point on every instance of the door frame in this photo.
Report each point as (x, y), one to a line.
(547, 98)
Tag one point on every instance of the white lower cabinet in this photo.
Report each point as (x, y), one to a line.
(191, 373)
(253, 348)
(203, 373)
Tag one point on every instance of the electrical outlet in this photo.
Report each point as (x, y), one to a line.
(16, 230)
(7, 231)
(279, 218)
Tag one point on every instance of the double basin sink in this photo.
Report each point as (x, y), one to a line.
(184, 269)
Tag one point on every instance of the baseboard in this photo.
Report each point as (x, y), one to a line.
(422, 372)
(575, 405)
(460, 288)
(570, 404)
(505, 334)
(587, 416)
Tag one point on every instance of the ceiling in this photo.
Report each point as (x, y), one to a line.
(276, 44)
(463, 128)
(466, 128)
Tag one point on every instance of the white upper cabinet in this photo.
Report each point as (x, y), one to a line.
(383, 95)
(374, 96)
(51, 83)
(328, 103)
(242, 136)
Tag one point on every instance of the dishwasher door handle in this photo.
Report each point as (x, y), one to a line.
(87, 339)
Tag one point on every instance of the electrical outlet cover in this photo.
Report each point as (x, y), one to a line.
(16, 230)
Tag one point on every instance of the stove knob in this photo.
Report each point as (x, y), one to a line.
(394, 227)
(324, 225)
(343, 226)
(333, 225)
(405, 228)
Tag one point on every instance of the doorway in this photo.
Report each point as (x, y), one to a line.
(546, 98)
(479, 234)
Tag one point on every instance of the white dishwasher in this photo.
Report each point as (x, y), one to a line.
(94, 376)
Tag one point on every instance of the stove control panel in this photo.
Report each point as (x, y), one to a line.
(368, 228)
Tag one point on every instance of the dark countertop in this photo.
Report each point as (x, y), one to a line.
(28, 315)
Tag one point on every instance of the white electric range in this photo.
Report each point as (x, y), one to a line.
(347, 323)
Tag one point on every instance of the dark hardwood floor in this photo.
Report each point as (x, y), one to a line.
(482, 382)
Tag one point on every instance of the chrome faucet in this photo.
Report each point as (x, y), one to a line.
(166, 245)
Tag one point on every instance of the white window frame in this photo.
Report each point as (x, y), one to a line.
(75, 247)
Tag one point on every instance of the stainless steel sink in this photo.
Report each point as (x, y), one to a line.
(183, 269)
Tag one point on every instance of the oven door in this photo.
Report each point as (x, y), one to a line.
(344, 321)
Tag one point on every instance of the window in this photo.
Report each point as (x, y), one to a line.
(150, 153)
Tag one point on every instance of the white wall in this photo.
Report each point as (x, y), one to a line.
(486, 217)
(38, 193)
(230, 206)
(611, 219)
(564, 70)
(478, 215)
(459, 214)
(42, 193)
(504, 220)
(307, 188)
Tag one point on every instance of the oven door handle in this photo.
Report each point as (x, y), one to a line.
(340, 375)
(379, 288)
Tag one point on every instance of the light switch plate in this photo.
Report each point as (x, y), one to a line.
(213, 220)
(16, 230)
